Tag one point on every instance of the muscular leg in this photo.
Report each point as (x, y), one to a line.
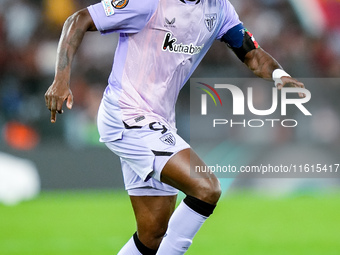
(202, 190)
(204, 186)
(152, 215)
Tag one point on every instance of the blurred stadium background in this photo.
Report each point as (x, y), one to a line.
(72, 183)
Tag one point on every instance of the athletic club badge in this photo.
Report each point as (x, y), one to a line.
(210, 21)
(168, 139)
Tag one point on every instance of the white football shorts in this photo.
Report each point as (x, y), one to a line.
(143, 152)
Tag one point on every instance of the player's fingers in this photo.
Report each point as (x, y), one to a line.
(53, 109)
(53, 104)
(302, 95)
(279, 86)
(69, 102)
(299, 85)
(46, 100)
(302, 86)
(53, 116)
(59, 108)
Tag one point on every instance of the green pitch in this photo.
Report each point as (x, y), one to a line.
(99, 223)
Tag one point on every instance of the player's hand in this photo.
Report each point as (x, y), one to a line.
(55, 96)
(291, 82)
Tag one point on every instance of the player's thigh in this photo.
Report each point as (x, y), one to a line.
(180, 172)
(152, 215)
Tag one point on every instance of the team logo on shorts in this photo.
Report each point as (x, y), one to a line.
(119, 4)
(168, 139)
(210, 21)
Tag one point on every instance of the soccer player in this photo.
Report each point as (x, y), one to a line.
(161, 43)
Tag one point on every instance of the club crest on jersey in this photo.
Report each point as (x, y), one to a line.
(119, 4)
(210, 21)
(168, 139)
(169, 44)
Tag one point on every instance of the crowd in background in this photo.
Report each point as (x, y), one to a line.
(29, 33)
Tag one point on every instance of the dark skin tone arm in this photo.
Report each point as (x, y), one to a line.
(71, 37)
(75, 27)
(262, 64)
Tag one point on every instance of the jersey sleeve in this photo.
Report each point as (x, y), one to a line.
(122, 16)
(231, 18)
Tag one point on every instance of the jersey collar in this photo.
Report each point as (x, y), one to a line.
(183, 1)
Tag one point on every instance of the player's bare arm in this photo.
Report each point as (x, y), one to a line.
(71, 37)
(263, 65)
(244, 45)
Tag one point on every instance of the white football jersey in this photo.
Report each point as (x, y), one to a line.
(161, 43)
